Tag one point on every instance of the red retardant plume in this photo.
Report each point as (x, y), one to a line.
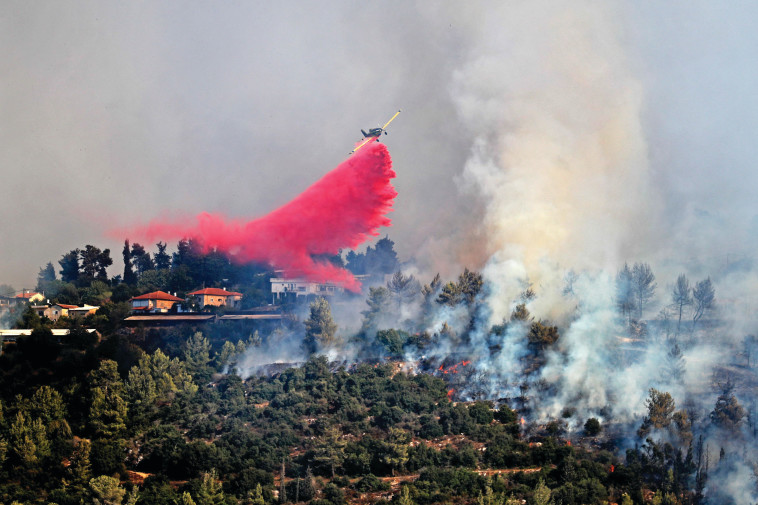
(341, 210)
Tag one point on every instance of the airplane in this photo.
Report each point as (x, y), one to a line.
(374, 133)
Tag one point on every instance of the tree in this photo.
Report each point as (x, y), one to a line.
(728, 413)
(320, 327)
(162, 259)
(403, 289)
(405, 497)
(542, 335)
(197, 357)
(624, 293)
(28, 440)
(382, 259)
(681, 297)
(46, 279)
(396, 455)
(541, 494)
(450, 295)
(673, 370)
(142, 260)
(660, 406)
(379, 303)
(704, 296)
(70, 266)
(129, 276)
(470, 284)
(643, 286)
(592, 427)
(329, 450)
(94, 263)
(106, 490)
(210, 492)
(108, 410)
(156, 378)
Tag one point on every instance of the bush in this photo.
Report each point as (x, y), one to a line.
(592, 427)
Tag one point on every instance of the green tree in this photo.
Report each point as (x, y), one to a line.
(80, 469)
(542, 335)
(94, 264)
(320, 328)
(186, 499)
(405, 496)
(129, 276)
(592, 427)
(156, 379)
(210, 492)
(28, 440)
(197, 358)
(108, 409)
(379, 303)
(329, 450)
(450, 295)
(541, 495)
(396, 455)
(46, 404)
(728, 413)
(162, 259)
(70, 266)
(660, 407)
(142, 260)
(46, 280)
(106, 490)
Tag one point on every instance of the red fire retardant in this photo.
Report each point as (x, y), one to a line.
(341, 210)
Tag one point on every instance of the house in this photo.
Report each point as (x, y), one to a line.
(84, 310)
(282, 289)
(29, 296)
(53, 312)
(157, 301)
(217, 297)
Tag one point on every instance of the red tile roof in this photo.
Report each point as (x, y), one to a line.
(26, 295)
(215, 292)
(64, 306)
(158, 295)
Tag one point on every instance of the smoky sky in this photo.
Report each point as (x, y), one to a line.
(121, 112)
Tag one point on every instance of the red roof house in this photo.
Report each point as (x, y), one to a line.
(217, 297)
(157, 301)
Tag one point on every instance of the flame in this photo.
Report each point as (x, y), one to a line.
(523, 421)
(568, 443)
(450, 393)
(612, 468)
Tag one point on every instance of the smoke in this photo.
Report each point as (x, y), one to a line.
(341, 210)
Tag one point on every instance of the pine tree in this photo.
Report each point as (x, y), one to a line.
(320, 327)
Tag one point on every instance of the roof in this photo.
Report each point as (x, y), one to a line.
(172, 318)
(215, 292)
(241, 317)
(27, 295)
(158, 295)
(65, 306)
(84, 307)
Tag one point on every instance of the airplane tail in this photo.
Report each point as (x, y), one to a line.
(364, 133)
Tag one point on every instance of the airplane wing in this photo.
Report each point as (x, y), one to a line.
(369, 139)
(388, 122)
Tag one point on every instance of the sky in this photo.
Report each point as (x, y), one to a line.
(580, 133)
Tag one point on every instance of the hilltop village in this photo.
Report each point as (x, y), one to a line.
(188, 378)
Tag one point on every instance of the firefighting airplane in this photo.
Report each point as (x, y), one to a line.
(374, 133)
